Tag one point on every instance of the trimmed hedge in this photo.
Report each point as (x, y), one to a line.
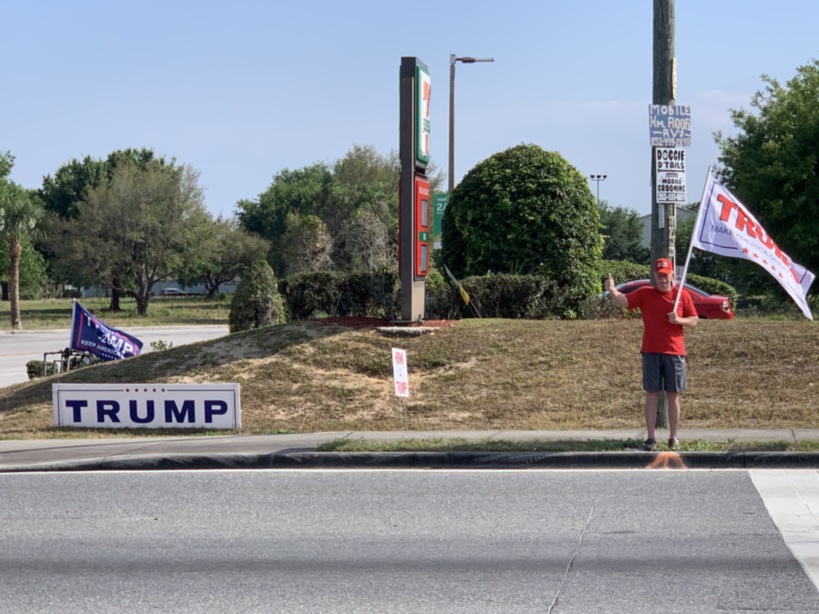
(304, 294)
(493, 296)
(504, 296)
(713, 286)
(374, 293)
(507, 296)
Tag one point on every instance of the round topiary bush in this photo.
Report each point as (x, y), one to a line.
(526, 211)
(256, 302)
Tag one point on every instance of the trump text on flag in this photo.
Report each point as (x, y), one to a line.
(726, 227)
(92, 335)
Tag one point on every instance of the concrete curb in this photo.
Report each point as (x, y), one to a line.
(437, 460)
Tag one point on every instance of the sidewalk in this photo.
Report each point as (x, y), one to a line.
(298, 451)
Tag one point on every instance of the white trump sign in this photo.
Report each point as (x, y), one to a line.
(147, 406)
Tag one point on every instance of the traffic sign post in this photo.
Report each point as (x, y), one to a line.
(439, 202)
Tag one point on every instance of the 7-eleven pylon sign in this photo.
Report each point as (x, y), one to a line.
(423, 90)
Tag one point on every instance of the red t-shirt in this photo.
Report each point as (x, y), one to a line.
(659, 335)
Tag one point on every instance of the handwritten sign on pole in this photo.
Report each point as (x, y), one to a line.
(669, 126)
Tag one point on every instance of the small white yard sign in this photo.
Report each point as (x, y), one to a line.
(399, 371)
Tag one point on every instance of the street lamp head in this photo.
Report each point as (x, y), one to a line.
(453, 59)
(598, 179)
(468, 59)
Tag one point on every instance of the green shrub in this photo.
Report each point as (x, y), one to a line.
(774, 305)
(356, 294)
(622, 271)
(256, 302)
(372, 293)
(385, 290)
(444, 303)
(526, 211)
(713, 286)
(306, 294)
(363, 293)
(508, 296)
(34, 368)
(442, 300)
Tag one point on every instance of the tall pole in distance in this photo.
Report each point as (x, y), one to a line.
(663, 217)
(598, 179)
(451, 169)
(452, 60)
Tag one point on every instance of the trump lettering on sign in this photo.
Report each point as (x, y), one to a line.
(151, 406)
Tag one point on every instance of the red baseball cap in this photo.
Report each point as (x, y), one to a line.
(663, 265)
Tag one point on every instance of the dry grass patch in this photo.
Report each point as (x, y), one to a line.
(479, 374)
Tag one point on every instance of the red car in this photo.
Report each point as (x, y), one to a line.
(708, 306)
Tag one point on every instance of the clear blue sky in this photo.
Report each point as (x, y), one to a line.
(244, 89)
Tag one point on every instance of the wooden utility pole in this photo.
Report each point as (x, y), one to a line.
(663, 217)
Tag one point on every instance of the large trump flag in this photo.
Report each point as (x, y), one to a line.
(726, 227)
(90, 334)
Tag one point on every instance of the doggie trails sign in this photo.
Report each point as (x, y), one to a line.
(147, 406)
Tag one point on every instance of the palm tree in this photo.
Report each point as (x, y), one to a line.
(19, 218)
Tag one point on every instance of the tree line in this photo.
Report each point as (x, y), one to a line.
(136, 218)
(123, 223)
(133, 219)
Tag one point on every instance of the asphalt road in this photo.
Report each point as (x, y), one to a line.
(16, 349)
(400, 541)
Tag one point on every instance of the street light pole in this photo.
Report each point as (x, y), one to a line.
(452, 60)
(598, 179)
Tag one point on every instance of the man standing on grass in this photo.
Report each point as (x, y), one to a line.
(663, 346)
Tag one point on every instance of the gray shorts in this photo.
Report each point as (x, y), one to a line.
(663, 372)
